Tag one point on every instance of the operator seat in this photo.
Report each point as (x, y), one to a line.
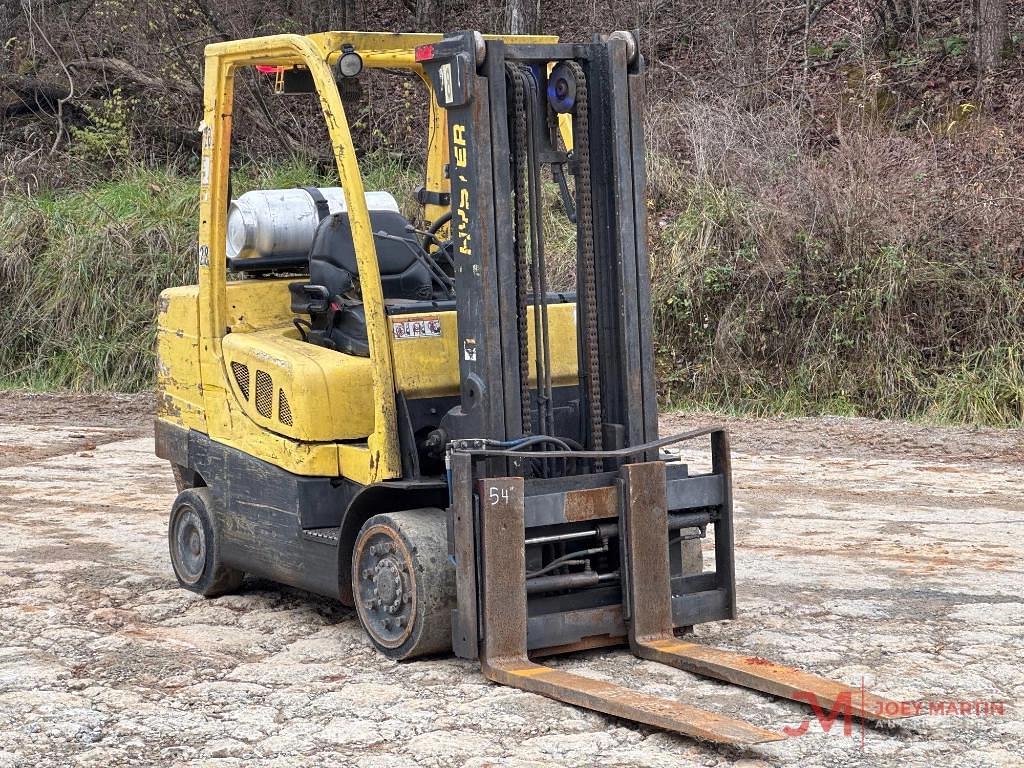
(336, 320)
(332, 259)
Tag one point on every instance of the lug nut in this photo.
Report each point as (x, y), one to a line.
(387, 623)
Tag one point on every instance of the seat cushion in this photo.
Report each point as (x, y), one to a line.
(332, 259)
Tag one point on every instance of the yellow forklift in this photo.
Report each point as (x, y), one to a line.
(401, 415)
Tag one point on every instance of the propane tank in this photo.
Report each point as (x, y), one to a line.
(283, 222)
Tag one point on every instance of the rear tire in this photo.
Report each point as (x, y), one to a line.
(404, 584)
(194, 543)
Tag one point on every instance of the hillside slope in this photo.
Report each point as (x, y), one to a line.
(834, 196)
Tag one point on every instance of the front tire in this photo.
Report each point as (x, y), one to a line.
(194, 545)
(403, 583)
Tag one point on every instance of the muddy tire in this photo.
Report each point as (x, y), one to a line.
(192, 537)
(404, 584)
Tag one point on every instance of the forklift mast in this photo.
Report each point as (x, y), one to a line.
(539, 482)
(503, 105)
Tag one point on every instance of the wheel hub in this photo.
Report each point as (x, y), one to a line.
(387, 584)
(386, 588)
(190, 545)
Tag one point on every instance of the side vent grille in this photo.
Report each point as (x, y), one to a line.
(284, 411)
(241, 372)
(264, 394)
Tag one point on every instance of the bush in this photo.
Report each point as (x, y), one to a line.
(835, 283)
(107, 136)
(79, 276)
(783, 282)
(80, 271)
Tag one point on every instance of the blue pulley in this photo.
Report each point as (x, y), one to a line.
(562, 89)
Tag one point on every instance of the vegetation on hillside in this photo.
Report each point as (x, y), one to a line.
(834, 213)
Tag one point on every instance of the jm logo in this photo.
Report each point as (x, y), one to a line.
(842, 706)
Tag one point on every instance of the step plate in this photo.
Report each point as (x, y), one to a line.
(326, 535)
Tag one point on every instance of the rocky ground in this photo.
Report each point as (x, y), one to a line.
(884, 552)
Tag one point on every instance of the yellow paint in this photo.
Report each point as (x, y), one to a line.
(355, 460)
(179, 388)
(328, 395)
(332, 397)
(222, 60)
(429, 366)
(301, 458)
(256, 304)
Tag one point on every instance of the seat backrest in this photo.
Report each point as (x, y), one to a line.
(332, 259)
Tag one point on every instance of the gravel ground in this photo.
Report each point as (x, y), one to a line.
(866, 550)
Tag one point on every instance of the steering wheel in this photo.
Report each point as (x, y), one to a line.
(431, 237)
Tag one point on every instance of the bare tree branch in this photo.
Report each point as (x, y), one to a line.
(123, 69)
(71, 83)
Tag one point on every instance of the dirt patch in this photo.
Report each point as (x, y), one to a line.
(862, 438)
(71, 408)
(888, 553)
(36, 426)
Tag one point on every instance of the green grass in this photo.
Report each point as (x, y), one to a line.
(80, 271)
(79, 276)
(842, 322)
(747, 324)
